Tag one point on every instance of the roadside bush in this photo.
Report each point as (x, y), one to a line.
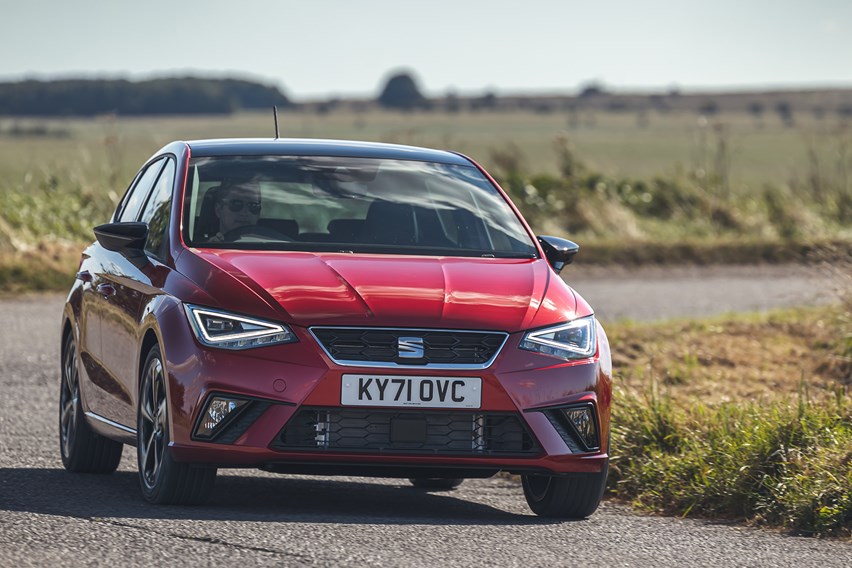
(670, 198)
(782, 212)
(785, 463)
(671, 209)
(53, 209)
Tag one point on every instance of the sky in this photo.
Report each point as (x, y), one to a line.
(325, 48)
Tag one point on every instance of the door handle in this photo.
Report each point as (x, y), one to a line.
(84, 276)
(106, 290)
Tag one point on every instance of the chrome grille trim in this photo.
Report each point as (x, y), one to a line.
(415, 330)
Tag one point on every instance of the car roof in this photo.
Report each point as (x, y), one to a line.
(318, 147)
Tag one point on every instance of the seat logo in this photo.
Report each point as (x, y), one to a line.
(410, 347)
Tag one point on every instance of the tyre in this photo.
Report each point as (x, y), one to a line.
(446, 483)
(163, 480)
(83, 450)
(574, 497)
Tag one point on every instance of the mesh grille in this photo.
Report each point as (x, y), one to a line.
(450, 433)
(382, 345)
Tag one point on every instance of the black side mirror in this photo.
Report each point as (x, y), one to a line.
(559, 252)
(122, 237)
(126, 238)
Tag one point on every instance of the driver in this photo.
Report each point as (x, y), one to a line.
(237, 206)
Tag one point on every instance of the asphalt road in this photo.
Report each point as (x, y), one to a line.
(48, 516)
(661, 293)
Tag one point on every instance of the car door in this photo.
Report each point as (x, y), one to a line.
(135, 285)
(107, 308)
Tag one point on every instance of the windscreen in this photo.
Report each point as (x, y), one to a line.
(349, 205)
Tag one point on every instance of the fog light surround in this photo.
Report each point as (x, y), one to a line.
(218, 412)
(583, 421)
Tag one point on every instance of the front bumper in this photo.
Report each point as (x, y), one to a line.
(291, 383)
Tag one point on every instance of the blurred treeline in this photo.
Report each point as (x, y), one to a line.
(400, 91)
(90, 97)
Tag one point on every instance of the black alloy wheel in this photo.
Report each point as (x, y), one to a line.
(163, 480)
(82, 449)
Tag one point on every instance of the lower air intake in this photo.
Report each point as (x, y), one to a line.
(413, 432)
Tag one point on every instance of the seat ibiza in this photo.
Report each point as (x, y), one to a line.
(331, 308)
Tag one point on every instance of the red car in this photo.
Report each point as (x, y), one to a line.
(331, 308)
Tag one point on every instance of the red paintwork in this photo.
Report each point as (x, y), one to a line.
(305, 289)
(390, 290)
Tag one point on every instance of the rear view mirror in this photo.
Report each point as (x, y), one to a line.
(559, 252)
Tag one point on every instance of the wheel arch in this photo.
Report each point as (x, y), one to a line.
(67, 329)
(149, 340)
(71, 330)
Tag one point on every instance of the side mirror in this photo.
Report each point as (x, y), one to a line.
(125, 238)
(559, 252)
(122, 237)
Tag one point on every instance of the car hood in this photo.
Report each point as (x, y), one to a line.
(400, 291)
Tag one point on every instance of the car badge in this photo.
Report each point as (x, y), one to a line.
(410, 347)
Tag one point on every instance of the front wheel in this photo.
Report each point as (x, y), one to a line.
(163, 480)
(83, 450)
(574, 497)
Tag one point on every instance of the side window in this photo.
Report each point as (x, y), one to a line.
(157, 210)
(136, 196)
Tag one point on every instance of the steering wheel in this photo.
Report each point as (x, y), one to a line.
(259, 231)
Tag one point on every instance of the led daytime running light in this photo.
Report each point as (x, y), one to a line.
(544, 340)
(252, 332)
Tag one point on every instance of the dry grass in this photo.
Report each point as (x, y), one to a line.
(734, 358)
(41, 268)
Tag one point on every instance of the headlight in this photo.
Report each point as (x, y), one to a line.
(231, 331)
(572, 340)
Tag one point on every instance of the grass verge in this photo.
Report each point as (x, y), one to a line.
(741, 418)
(784, 463)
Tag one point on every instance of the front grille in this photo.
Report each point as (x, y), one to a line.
(415, 432)
(381, 346)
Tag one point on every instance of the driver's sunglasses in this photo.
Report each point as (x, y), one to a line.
(236, 205)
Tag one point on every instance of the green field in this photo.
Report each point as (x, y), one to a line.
(614, 144)
(705, 179)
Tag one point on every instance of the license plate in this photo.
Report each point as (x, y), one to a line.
(425, 392)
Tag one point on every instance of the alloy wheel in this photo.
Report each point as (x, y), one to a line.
(152, 423)
(69, 398)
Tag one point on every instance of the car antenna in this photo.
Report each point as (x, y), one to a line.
(275, 115)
